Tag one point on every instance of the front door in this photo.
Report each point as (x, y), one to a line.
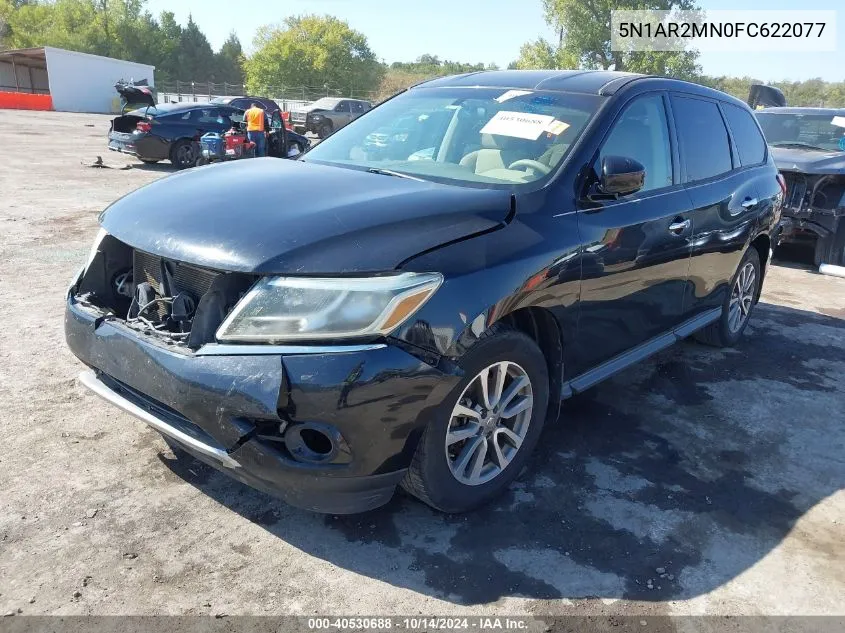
(636, 248)
(344, 114)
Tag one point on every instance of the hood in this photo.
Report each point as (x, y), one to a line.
(267, 215)
(311, 108)
(808, 161)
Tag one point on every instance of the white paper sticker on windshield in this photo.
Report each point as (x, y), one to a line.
(557, 127)
(518, 124)
(838, 121)
(510, 94)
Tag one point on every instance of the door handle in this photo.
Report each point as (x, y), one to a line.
(678, 226)
(749, 202)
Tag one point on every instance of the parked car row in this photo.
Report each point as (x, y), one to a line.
(172, 132)
(436, 277)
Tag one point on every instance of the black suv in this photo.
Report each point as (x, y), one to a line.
(412, 313)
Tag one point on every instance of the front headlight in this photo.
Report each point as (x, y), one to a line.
(297, 308)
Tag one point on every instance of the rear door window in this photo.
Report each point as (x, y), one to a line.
(749, 141)
(357, 107)
(209, 115)
(703, 138)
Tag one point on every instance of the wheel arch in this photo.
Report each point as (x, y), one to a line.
(762, 244)
(541, 326)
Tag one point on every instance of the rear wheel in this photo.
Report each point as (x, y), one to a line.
(737, 308)
(149, 161)
(184, 154)
(486, 428)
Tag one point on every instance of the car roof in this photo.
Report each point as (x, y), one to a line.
(597, 82)
(175, 108)
(796, 110)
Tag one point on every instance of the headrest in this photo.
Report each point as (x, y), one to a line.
(488, 141)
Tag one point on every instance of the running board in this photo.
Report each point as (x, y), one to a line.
(639, 353)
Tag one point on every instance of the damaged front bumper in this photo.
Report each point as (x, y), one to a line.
(250, 410)
(813, 206)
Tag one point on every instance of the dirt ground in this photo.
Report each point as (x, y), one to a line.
(701, 481)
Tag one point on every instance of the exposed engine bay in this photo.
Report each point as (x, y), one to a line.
(814, 208)
(174, 302)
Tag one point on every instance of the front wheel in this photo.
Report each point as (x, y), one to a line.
(740, 302)
(325, 130)
(149, 161)
(485, 430)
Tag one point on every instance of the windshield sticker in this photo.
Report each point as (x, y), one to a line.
(518, 124)
(510, 94)
(557, 127)
(838, 121)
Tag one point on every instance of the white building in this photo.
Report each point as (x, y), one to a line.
(76, 82)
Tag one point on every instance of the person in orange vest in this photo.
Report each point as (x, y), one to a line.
(254, 118)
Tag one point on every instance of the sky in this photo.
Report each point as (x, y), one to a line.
(488, 30)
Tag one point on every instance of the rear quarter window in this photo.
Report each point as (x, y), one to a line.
(703, 138)
(749, 141)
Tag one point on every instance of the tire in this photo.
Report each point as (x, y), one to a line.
(149, 161)
(431, 477)
(726, 332)
(325, 130)
(184, 154)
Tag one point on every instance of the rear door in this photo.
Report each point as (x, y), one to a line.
(725, 199)
(636, 248)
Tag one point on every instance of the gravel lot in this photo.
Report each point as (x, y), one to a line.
(701, 481)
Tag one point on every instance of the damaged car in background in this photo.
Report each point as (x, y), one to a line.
(808, 146)
(408, 302)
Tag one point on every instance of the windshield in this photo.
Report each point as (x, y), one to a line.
(467, 136)
(819, 131)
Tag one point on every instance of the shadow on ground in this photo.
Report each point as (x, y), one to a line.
(665, 482)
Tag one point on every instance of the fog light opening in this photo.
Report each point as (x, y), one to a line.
(312, 442)
(316, 441)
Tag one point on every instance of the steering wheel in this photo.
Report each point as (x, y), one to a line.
(532, 164)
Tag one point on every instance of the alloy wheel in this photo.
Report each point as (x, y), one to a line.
(742, 297)
(185, 155)
(489, 423)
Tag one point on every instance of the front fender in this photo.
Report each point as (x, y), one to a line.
(489, 277)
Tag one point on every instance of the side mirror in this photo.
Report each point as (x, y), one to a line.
(621, 176)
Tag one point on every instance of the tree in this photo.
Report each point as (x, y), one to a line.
(537, 54)
(583, 30)
(196, 59)
(229, 61)
(401, 75)
(319, 52)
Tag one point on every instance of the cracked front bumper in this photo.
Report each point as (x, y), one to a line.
(217, 404)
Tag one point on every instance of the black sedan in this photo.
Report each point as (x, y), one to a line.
(413, 312)
(172, 131)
